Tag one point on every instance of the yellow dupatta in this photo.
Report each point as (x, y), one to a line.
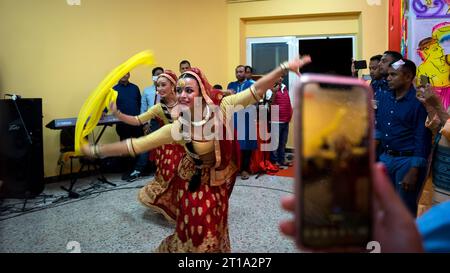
(102, 96)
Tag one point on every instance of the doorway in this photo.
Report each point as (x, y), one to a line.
(330, 55)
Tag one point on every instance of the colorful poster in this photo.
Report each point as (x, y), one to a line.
(423, 9)
(429, 43)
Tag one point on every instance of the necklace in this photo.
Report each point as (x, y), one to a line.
(170, 106)
(203, 121)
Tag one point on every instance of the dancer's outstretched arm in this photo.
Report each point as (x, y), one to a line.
(132, 146)
(267, 81)
(257, 91)
(151, 113)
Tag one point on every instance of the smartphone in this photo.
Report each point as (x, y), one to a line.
(360, 64)
(334, 152)
(424, 80)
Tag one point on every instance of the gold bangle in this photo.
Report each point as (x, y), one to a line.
(97, 151)
(91, 148)
(138, 120)
(94, 151)
(253, 91)
(284, 67)
(130, 148)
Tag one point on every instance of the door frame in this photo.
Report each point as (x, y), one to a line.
(293, 49)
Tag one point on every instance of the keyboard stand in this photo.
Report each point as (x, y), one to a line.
(95, 163)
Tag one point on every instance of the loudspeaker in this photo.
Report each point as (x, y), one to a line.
(21, 153)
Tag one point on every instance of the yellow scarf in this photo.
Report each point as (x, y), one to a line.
(103, 95)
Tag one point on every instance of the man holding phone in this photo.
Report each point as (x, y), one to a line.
(394, 227)
(356, 66)
(383, 67)
(400, 123)
(374, 70)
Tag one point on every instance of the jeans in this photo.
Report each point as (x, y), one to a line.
(278, 155)
(398, 167)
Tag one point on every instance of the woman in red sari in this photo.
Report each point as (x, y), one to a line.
(159, 193)
(207, 172)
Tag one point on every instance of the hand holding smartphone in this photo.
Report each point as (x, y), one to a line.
(333, 185)
(424, 80)
(360, 64)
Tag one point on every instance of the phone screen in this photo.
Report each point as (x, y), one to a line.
(335, 189)
(360, 64)
(424, 80)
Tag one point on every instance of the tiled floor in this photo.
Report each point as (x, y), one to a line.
(114, 221)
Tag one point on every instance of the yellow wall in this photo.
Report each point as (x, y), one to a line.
(306, 18)
(60, 53)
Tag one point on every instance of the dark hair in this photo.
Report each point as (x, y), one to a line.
(185, 62)
(239, 66)
(218, 87)
(189, 76)
(156, 69)
(409, 67)
(249, 67)
(376, 58)
(396, 56)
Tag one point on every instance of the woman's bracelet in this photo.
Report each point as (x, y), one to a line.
(95, 151)
(130, 147)
(285, 67)
(253, 91)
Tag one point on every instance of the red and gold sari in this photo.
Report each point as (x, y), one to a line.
(160, 193)
(201, 214)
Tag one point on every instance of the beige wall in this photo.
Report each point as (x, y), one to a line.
(60, 53)
(306, 18)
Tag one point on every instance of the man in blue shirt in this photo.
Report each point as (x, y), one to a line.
(380, 85)
(247, 144)
(129, 103)
(149, 98)
(242, 83)
(249, 74)
(374, 69)
(400, 123)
